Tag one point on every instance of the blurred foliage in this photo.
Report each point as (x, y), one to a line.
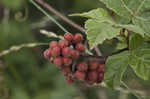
(27, 74)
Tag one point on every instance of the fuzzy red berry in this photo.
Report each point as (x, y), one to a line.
(67, 61)
(80, 75)
(68, 37)
(53, 44)
(92, 76)
(93, 64)
(63, 43)
(100, 68)
(66, 70)
(66, 52)
(82, 66)
(74, 54)
(80, 47)
(56, 51)
(77, 38)
(47, 53)
(58, 61)
(69, 80)
(100, 77)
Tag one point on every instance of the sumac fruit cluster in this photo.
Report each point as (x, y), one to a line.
(66, 54)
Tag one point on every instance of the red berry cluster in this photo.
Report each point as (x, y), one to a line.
(91, 72)
(65, 53)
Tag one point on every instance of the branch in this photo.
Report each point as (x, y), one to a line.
(117, 52)
(16, 48)
(67, 20)
(54, 11)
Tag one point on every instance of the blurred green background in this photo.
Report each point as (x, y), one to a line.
(25, 74)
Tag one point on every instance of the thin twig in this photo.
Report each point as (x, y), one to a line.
(17, 48)
(67, 20)
(98, 51)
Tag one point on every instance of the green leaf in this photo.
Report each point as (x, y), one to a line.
(126, 8)
(97, 32)
(115, 67)
(135, 41)
(139, 60)
(129, 8)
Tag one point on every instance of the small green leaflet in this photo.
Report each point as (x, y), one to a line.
(99, 14)
(139, 60)
(115, 67)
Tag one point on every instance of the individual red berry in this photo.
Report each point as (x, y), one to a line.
(69, 80)
(58, 61)
(93, 64)
(82, 66)
(68, 37)
(63, 43)
(74, 54)
(92, 76)
(47, 53)
(67, 61)
(66, 51)
(100, 68)
(80, 75)
(53, 44)
(80, 47)
(55, 51)
(100, 77)
(66, 70)
(77, 38)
